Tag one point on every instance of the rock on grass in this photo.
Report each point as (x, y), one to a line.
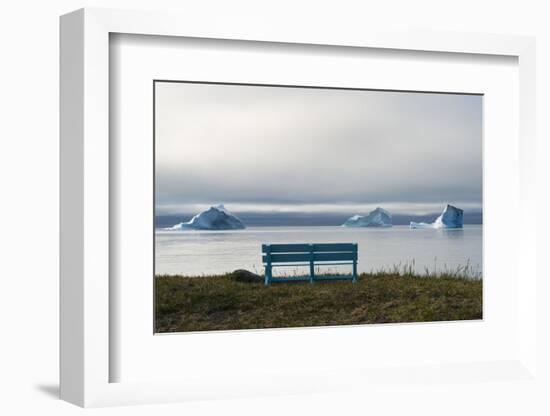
(246, 276)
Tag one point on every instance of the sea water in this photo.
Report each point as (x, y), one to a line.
(199, 253)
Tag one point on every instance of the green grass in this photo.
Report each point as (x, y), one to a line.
(220, 303)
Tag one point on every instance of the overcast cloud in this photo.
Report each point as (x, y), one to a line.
(299, 149)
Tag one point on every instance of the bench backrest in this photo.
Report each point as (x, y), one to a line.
(293, 253)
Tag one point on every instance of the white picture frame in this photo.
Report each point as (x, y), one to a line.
(85, 211)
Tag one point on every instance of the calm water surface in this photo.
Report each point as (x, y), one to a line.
(195, 253)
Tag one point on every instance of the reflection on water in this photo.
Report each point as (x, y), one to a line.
(453, 233)
(195, 253)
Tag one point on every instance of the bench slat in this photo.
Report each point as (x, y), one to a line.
(286, 248)
(304, 248)
(336, 263)
(299, 257)
(289, 279)
(307, 278)
(334, 247)
(338, 277)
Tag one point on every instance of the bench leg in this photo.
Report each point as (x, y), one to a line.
(311, 264)
(267, 280)
(354, 280)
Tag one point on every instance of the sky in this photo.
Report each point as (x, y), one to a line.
(277, 149)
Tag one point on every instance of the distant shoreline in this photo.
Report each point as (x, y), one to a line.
(310, 219)
(400, 226)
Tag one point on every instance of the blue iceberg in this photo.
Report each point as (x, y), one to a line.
(377, 218)
(214, 218)
(451, 217)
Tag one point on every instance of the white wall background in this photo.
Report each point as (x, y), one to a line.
(29, 185)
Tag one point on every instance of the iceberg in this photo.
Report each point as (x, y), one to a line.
(377, 218)
(214, 218)
(451, 217)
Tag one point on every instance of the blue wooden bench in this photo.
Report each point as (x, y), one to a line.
(332, 254)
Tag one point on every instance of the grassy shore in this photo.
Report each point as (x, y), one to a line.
(221, 303)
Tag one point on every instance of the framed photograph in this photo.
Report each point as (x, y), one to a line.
(293, 208)
(328, 203)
